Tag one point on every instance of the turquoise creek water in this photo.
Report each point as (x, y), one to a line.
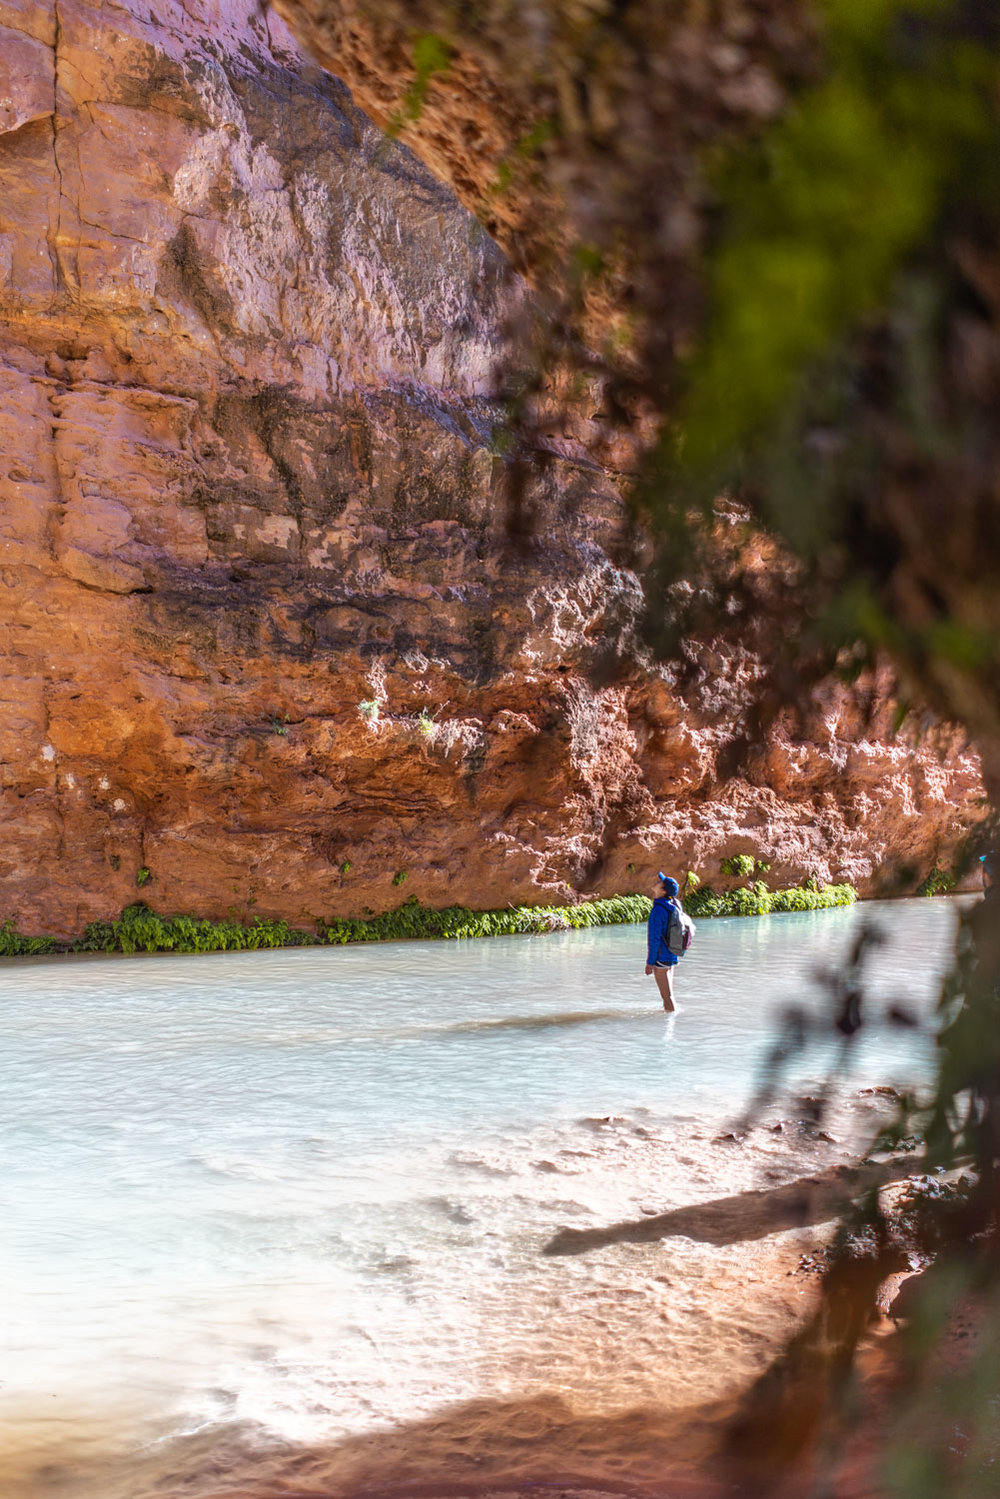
(306, 1191)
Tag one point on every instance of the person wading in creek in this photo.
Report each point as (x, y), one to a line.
(668, 935)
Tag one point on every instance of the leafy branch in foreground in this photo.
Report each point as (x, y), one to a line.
(951, 1226)
(835, 390)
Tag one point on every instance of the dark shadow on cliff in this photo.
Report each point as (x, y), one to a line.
(747, 1215)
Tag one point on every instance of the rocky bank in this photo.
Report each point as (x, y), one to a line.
(267, 646)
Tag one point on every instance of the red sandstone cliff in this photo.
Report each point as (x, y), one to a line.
(249, 485)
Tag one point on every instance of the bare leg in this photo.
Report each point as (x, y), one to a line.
(665, 984)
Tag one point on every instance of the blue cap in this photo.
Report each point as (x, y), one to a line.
(669, 884)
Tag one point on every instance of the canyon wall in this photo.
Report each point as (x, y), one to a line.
(267, 647)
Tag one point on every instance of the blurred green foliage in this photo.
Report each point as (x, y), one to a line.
(835, 389)
(819, 216)
(431, 56)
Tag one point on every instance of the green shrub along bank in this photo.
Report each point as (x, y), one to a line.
(139, 929)
(13, 945)
(413, 920)
(758, 900)
(938, 882)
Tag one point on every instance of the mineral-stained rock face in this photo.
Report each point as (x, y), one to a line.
(263, 634)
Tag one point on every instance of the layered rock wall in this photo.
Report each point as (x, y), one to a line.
(263, 633)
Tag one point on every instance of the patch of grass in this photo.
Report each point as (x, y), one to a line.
(143, 876)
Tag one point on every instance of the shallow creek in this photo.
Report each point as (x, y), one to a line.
(304, 1196)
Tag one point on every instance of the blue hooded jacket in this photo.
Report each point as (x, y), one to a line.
(657, 926)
